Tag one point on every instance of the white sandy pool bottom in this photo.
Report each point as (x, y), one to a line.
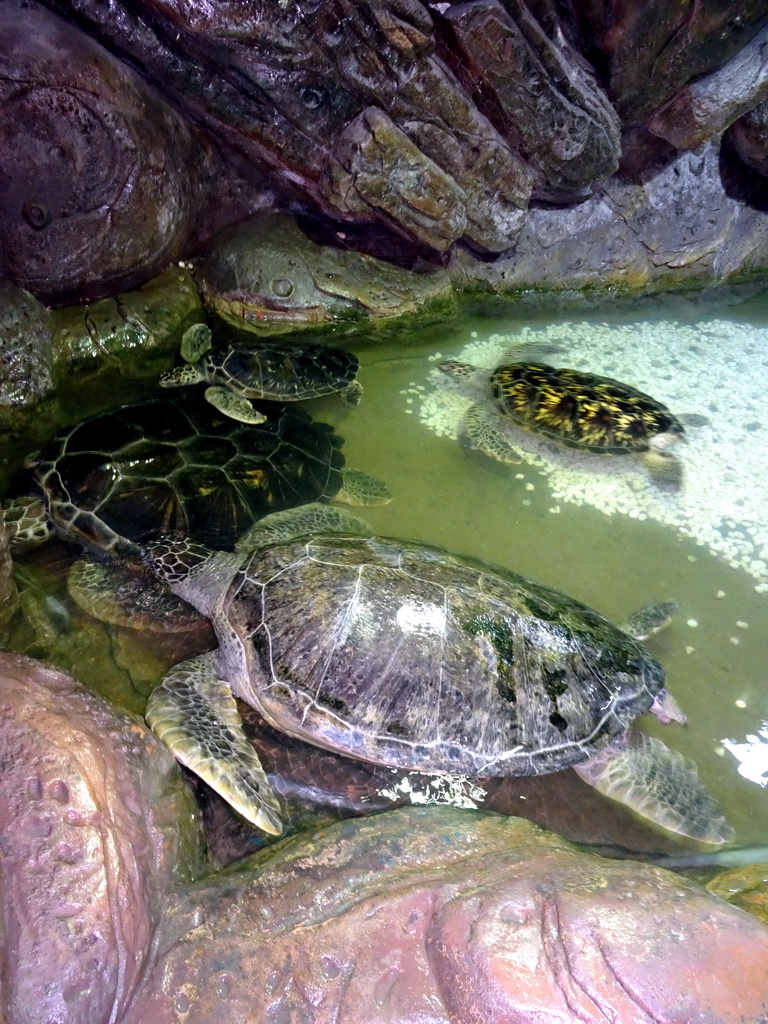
(716, 367)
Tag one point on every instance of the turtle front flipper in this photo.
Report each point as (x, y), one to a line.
(125, 596)
(664, 468)
(660, 784)
(196, 342)
(233, 405)
(693, 419)
(481, 432)
(529, 352)
(195, 715)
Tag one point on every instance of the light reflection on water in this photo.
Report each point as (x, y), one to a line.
(752, 755)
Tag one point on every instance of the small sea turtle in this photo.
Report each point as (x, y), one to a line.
(403, 654)
(573, 408)
(276, 371)
(120, 479)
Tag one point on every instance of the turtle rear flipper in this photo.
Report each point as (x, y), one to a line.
(233, 405)
(195, 715)
(649, 619)
(352, 393)
(359, 488)
(482, 433)
(658, 783)
(693, 419)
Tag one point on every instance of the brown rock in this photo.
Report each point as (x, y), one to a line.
(429, 914)
(440, 915)
(93, 810)
(745, 887)
(425, 101)
(27, 368)
(707, 106)
(286, 89)
(264, 277)
(9, 596)
(102, 177)
(749, 137)
(375, 166)
(675, 228)
(545, 95)
(653, 47)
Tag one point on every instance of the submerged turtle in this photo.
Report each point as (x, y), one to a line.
(276, 371)
(174, 465)
(573, 408)
(403, 654)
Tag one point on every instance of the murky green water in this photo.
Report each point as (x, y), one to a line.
(460, 499)
(716, 650)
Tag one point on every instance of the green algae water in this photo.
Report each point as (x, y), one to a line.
(591, 526)
(594, 526)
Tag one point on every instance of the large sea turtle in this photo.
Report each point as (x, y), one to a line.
(574, 408)
(118, 480)
(403, 654)
(276, 371)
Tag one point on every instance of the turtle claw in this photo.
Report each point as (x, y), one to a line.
(658, 783)
(232, 405)
(195, 715)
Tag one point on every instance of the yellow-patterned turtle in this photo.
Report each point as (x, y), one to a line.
(575, 409)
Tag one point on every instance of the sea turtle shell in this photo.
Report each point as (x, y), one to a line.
(581, 410)
(347, 632)
(176, 465)
(398, 653)
(282, 372)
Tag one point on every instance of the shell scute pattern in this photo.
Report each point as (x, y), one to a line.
(522, 678)
(176, 466)
(579, 409)
(282, 372)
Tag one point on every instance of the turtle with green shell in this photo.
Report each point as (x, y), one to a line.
(274, 371)
(573, 408)
(403, 654)
(117, 480)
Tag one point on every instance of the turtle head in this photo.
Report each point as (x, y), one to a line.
(181, 376)
(174, 559)
(456, 369)
(193, 571)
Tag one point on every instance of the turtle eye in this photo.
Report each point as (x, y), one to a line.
(311, 97)
(281, 287)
